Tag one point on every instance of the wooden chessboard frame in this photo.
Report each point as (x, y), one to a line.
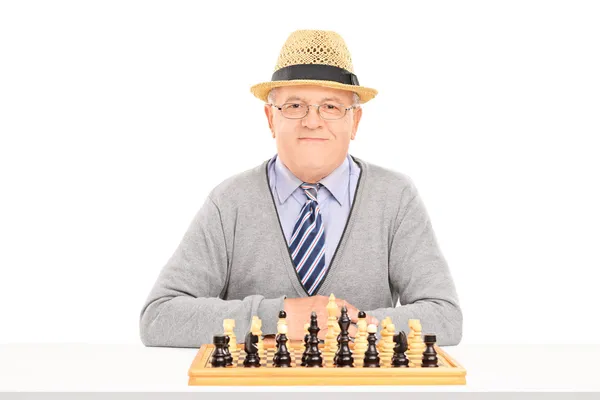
(202, 373)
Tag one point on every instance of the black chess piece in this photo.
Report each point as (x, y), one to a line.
(399, 359)
(313, 357)
(337, 352)
(252, 359)
(372, 354)
(282, 356)
(306, 347)
(218, 355)
(228, 357)
(275, 359)
(429, 359)
(344, 358)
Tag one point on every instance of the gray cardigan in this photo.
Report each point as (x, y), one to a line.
(234, 262)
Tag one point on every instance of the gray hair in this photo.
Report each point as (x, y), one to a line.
(271, 97)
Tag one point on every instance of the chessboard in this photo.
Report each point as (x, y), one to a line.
(201, 372)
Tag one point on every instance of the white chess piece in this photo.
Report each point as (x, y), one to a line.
(360, 342)
(387, 347)
(333, 312)
(280, 322)
(416, 346)
(384, 333)
(228, 327)
(281, 326)
(257, 330)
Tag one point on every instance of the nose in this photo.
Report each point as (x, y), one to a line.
(312, 119)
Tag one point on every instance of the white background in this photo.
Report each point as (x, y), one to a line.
(118, 117)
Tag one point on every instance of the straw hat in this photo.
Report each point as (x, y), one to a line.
(314, 57)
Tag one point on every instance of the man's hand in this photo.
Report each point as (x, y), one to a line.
(298, 313)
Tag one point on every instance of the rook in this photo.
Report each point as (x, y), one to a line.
(218, 355)
(430, 359)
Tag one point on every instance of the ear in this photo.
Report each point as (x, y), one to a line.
(357, 115)
(269, 114)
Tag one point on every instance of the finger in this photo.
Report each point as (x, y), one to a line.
(372, 320)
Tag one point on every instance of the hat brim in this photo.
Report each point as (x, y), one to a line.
(262, 90)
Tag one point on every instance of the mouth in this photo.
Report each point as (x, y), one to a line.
(313, 139)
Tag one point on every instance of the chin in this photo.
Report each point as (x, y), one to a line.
(314, 162)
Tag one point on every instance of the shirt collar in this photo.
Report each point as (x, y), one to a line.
(285, 181)
(336, 182)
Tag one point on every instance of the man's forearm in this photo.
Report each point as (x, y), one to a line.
(185, 321)
(420, 276)
(441, 318)
(185, 308)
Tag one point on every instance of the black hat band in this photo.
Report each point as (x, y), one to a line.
(321, 72)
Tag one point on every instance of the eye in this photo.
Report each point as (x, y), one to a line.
(292, 105)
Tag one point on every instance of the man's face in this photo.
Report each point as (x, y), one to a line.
(312, 143)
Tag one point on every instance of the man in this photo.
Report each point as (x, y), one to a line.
(311, 221)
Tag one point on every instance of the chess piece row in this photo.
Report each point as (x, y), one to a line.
(343, 357)
(222, 356)
(313, 356)
(387, 346)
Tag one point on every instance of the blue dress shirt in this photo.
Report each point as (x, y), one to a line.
(335, 199)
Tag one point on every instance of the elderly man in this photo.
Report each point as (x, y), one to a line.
(311, 221)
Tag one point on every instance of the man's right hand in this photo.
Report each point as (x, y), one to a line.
(298, 312)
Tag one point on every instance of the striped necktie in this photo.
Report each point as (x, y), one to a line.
(307, 244)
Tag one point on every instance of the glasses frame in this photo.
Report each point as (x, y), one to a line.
(317, 106)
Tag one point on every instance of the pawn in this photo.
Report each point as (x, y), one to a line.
(399, 359)
(218, 355)
(430, 359)
(371, 355)
(252, 359)
(228, 356)
(282, 356)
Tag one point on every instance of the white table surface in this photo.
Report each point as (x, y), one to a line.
(129, 367)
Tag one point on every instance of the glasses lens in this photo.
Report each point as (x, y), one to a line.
(293, 110)
(331, 111)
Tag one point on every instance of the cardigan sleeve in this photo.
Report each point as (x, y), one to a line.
(185, 308)
(420, 277)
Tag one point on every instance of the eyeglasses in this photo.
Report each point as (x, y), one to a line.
(327, 111)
